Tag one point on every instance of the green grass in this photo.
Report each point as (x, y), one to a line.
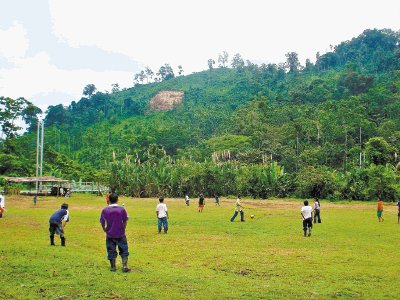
(204, 256)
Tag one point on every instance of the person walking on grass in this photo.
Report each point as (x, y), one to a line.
(238, 209)
(216, 200)
(162, 215)
(113, 220)
(2, 204)
(187, 200)
(379, 210)
(57, 223)
(202, 202)
(317, 211)
(306, 213)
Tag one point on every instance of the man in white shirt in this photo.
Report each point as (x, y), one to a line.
(187, 199)
(162, 215)
(2, 204)
(306, 213)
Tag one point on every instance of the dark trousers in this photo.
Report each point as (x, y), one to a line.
(307, 223)
(112, 243)
(236, 213)
(54, 228)
(316, 214)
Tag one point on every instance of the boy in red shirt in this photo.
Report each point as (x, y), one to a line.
(380, 210)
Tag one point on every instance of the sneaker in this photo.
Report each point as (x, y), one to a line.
(309, 234)
(126, 269)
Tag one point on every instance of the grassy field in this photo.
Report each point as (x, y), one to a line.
(204, 255)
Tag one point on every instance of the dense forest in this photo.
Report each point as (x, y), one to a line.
(328, 129)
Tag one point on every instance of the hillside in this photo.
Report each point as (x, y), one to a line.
(313, 121)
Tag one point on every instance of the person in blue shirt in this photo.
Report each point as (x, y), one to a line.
(57, 223)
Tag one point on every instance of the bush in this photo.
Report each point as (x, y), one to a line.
(316, 182)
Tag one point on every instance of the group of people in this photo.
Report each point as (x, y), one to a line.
(202, 202)
(307, 214)
(114, 218)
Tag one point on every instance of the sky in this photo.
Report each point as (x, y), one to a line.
(51, 49)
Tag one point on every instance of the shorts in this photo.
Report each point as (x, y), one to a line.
(379, 213)
(307, 223)
(56, 228)
(201, 206)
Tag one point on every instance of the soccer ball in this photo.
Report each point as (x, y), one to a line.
(123, 204)
(252, 216)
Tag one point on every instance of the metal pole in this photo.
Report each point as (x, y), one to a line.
(37, 156)
(41, 156)
(360, 149)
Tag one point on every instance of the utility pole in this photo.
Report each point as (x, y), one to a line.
(360, 148)
(39, 155)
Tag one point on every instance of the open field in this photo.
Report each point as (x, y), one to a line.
(204, 256)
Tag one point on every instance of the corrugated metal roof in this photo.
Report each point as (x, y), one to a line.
(34, 179)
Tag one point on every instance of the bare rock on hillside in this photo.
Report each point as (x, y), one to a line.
(166, 100)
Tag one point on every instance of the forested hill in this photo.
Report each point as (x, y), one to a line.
(324, 119)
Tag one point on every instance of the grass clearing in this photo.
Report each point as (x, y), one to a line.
(204, 256)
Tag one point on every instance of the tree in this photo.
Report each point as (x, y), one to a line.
(56, 114)
(149, 73)
(292, 62)
(354, 82)
(30, 115)
(89, 90)
(378, 151)
(115, 88)
(210, 63)
(140, 77)
(11, 110)
(223, 59)
(180, 72)
(166, 72)
(237, 62)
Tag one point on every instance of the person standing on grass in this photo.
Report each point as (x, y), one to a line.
(238, 209)
(306, 213)
(202, 202)
(216, 199)
(187, 199)
(2, 204)
(317, 211)
(162, 215)
(57, 223)
(379, 210)
(398, 212)
(108, 198)
(113, 220)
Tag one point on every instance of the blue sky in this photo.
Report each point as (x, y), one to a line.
(50, 49)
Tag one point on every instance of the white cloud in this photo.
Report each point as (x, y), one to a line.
(14, 43)
(177, 32)
(189, 32)
(36, 76)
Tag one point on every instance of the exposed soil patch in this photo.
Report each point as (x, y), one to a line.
(166, 100)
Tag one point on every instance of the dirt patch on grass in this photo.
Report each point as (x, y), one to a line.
(166, 100)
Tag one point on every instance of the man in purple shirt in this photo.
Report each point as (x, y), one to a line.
(113, 219)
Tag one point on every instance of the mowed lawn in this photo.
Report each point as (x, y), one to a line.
(204, 255)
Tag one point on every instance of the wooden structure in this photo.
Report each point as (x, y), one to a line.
(52, 186)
